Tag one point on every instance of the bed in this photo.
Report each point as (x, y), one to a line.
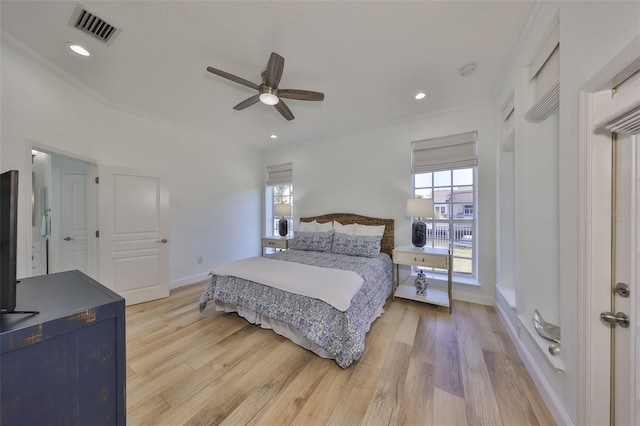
(315, 315)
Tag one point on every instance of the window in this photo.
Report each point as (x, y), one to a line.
(444, 168)
(279, 194)
(279, 190)
(452, 227)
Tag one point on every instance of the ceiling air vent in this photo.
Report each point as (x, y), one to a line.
(93, 25)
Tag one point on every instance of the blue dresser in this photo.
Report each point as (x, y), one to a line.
(65, 365)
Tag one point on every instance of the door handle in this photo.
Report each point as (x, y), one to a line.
(619, 318)
(163, 241)
(67, 238)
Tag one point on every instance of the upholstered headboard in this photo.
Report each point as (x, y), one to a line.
(388, 238)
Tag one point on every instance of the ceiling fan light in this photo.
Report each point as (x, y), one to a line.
(269, 98)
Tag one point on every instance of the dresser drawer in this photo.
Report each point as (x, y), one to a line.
(275, 243)
(421, 259)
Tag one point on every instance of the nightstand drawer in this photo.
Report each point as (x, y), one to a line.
(282, 243)
(421, 259)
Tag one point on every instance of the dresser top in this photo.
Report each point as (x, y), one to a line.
(71, 296)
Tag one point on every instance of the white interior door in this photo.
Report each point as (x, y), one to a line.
(73, 222)
(134, 232)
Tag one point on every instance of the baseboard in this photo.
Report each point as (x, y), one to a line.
(549, 396)
(188, 280)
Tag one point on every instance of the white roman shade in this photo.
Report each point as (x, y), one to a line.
(544, 73)
(623, 115)
(280, 174)
(447, 152)
(628, 123)
(508, 138)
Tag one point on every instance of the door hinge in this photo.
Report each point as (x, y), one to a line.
(97, 179)
(622, 290)
(97, 234)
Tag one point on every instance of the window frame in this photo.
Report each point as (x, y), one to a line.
(452, 223)
(271, 199)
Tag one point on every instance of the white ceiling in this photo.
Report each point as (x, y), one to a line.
(368, 58)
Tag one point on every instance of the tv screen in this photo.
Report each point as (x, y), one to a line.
(8, 239)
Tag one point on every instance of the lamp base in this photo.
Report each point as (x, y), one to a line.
(419, 234)
(283, 227)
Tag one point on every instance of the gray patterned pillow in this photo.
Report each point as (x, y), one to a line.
(356, 245)
(312, 241)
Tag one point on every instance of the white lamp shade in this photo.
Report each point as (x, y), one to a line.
(282, 210)
(420, 207)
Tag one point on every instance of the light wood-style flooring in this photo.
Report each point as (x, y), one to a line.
(421, 366)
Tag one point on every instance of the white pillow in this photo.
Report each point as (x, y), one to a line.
(324, 227)
(308, 226)
(370, 231)
(344, 229)
(315, 226)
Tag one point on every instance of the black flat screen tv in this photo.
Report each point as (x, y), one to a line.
(8, 239)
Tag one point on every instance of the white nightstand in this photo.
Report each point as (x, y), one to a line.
(275, 242)
(429, 257)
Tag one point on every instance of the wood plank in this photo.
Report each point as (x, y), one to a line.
(448, 372)
(417, 403)
(244, 400)
(360, 388)
(421, 365)
(512, 402)
(385, 402)
(295, 394)
(145, 413)
(325, 397)
(409, 320)
(425, 340)
(449, 409)
(480, 401)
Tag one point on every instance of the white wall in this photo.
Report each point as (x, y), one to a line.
(591, 34)
(370, 174)
(215, 186)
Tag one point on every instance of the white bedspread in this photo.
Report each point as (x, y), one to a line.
(333, 286)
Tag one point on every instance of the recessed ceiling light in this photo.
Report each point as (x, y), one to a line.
(79, 49)
(274, 136)
(468, 69)
(420, 95)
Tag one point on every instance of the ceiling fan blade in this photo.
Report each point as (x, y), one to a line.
(247, 102)
(233, 78)
(301, 95)
(274, 70)
(284, 110)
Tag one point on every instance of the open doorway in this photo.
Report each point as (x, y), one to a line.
(61, 213)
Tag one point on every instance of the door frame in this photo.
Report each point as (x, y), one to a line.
(594, 240)
(92, 204)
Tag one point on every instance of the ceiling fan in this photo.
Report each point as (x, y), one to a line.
(268, 91)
